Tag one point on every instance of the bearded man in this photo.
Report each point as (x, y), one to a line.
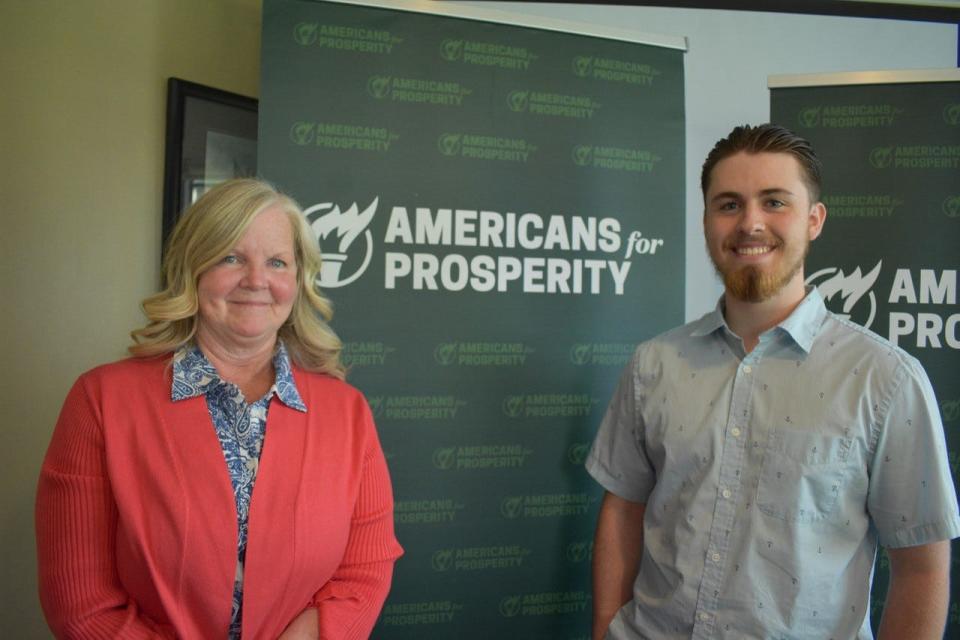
(754, 459)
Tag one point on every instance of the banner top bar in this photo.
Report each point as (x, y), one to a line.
(456, 10)
(863, 77)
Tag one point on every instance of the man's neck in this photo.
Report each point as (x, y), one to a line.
(750, 319)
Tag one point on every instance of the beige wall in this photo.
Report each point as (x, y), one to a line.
(81, 173)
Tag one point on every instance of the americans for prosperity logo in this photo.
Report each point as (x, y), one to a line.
(623, 71)
(465, 145)
(848, 116)
(548, 405)
(342, 136)
(344, 38)
(951, 114)
(920, 303)
(541, 103)
(544, 604)
(481, 354)
(916, 156)
(851, 292)
(862, 205)
(481, 250)
(951, 206)
(487, 54)
(479, 558)
(618, 158)
(341, 228)
(420, 613)
(417, 90)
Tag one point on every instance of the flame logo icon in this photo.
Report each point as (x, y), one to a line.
(302, 133)
(510, 607)
(451, 49)
(444, 456)
(852, 288)
(881, 157)
(517, 100)
(579, 551)
(577, 453)
(376, 405)
(581, 66)
(513, 406)
(445, 353)
(580, 353)
(810, 117)
(950, 410)
(305, 33)
(378, 86)
(328, 221)
(442, 559)
(951, 206)
(449, 144)
(511, 506)
(582, 154)
(951, 114)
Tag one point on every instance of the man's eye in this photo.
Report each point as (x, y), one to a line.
(773, 203)
(728, 206)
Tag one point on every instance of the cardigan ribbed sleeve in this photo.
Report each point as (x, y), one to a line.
(349, 603)
(76, 523)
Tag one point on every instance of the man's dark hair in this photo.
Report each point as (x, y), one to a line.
(766, 138)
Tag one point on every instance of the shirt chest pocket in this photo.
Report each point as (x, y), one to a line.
(803, 474)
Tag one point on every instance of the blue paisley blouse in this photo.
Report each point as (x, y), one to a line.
(240, 428)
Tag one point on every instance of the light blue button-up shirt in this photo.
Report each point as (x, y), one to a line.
(240, 428)
(769, 478)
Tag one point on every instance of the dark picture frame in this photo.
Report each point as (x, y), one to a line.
(211, 137)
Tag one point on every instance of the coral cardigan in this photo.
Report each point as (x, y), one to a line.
(136, 521)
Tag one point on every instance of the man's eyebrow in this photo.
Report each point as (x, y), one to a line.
(765, 192)
(775, 190)
(725, 195)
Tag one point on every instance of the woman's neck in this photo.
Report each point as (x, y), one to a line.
(248, 367)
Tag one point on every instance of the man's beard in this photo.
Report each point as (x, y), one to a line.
(752, 284)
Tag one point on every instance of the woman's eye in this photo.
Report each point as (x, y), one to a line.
(231, 259)
(277, 263)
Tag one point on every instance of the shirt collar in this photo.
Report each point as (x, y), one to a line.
(193, 376)
(802, 325)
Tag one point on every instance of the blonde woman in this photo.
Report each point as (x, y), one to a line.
(147, 521)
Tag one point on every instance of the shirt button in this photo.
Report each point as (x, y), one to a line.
(735, 432)
(747, 368)
(726, 493)
(716, 557)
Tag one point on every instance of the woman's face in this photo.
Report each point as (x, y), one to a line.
(246, 297)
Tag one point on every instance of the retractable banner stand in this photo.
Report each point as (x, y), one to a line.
(501, 214)
(888, 256)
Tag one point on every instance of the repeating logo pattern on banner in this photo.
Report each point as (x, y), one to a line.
(888, 256)
(496, 207)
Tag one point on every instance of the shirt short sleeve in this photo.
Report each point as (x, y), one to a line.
(912, 500)
(618, 460)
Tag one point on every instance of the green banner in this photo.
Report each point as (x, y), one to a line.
(888, 256)
(500, 210)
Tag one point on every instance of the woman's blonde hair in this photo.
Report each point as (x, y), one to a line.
(206, 232)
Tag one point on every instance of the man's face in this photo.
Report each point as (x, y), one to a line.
(758, 222)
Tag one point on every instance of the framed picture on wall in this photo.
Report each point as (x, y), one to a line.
(211, 137)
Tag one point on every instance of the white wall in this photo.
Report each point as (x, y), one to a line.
(730, 56)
